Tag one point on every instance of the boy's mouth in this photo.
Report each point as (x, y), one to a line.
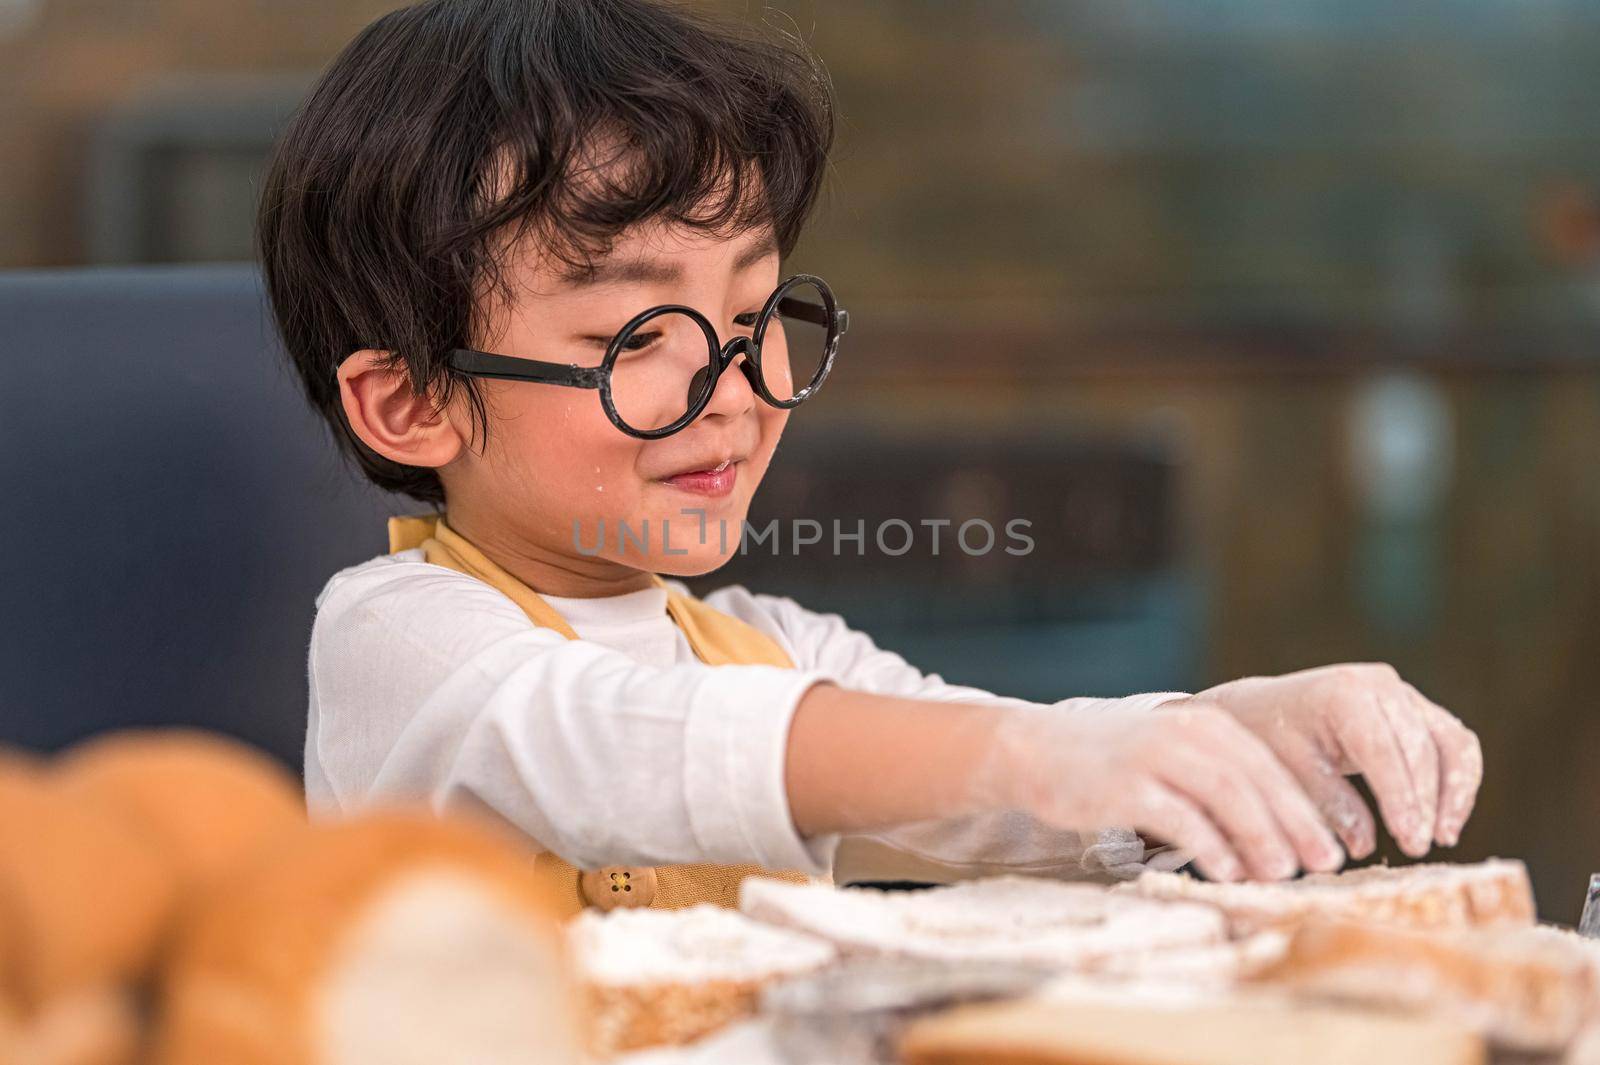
(716, 480)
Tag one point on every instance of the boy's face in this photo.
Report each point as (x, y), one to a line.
(556, 481)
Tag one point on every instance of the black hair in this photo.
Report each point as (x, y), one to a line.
(446, 132)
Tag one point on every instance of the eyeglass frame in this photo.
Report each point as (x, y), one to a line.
(829, 314)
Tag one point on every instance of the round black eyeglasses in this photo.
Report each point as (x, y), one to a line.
(662, 367)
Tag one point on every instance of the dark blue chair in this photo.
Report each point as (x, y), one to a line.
(174, 507)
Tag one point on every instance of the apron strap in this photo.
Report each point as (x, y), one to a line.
(717, 639)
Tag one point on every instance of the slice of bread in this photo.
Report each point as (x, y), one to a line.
(658, 977)
(394, 938)
(1528, 989)
(1038, 1032)
(1003, 919)
(1492, 893)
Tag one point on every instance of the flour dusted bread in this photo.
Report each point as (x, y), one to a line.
(1492, 893)
(1529, 989)
(393, 939)
(82, 902)
(1221, 1033)
(203, 802)
(657, 977)
(1003, 919)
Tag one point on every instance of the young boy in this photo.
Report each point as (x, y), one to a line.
(469, 234)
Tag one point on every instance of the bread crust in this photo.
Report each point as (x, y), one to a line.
(1495, 893)
(624, 1017)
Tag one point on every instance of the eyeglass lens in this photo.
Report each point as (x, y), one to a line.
(662, 370)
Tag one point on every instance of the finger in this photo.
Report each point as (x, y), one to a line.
(1404, 709)
(1289, 801)
(1341, 804)
(1230, 798)
(1373, 749)
(1165, 813)
(1460, 769)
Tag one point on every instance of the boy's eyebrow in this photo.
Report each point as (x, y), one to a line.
(658, 271)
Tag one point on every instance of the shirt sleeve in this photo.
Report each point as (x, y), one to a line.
(955, 848)
(428, 683)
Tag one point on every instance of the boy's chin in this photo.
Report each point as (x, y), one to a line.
(691, 542)
(696, 561)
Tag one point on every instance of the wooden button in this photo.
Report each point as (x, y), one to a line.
(618, 887)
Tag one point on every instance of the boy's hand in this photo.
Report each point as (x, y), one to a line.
(1247, 777)
(1422, 764)
(1188, 772)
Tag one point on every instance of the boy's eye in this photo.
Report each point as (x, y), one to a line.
(640, 341)
(748, 319)
(636, 342)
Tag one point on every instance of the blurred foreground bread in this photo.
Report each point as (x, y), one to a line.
(98, 849)
(1226, 1033)
(392, 939)
(91, 1026)
(203, 802)
(656, 977)
(1528, 989)
(19, 760)
(1002, 919)
(83, 903)
(1492, 893)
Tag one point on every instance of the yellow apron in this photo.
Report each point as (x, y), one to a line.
(717, 640)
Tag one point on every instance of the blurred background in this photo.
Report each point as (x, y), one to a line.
(1275, 318)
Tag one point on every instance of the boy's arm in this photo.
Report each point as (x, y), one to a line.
(951, 848)
(425, 682)
(1194, 775)
(1421, 763)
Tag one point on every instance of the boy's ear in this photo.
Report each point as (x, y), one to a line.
(387, 417)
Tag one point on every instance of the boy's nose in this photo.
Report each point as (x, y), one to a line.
(697, 384)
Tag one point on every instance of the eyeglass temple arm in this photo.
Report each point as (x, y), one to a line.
(509, 368)
(815, 313)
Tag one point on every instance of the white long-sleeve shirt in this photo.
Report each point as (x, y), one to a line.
(620, 747)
